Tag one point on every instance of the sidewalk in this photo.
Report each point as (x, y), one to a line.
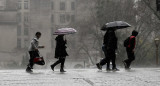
(81, 77)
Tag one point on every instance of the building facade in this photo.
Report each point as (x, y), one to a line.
(8, 25)
(23, 25)
(45, 16)
(63, 12)
(21, 19)
(8, 32)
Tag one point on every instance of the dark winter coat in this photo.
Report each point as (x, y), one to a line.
(110, 40)
(60, 50)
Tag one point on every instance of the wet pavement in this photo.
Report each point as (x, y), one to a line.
(81, 77)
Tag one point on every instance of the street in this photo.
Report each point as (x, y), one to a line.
(81, 77)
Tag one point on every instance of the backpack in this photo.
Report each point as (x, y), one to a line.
(126, 42)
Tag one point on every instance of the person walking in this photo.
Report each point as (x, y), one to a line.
(104, 48)
(130, 49)
(60, 52)
(110, 45)
(33, 51)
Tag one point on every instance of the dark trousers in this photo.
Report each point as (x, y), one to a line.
(109, 56)
(33, 54)
(131, 57)
(60, 60)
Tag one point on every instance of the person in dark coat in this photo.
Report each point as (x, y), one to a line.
(110, 45)
(60, 52)
(130, 50)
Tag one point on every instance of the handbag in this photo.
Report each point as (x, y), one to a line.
(39, 61)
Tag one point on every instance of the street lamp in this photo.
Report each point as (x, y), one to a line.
(157, 44)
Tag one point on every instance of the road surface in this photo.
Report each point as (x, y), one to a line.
(81, 77)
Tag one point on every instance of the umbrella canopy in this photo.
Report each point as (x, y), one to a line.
(115, 25)
(65, 31)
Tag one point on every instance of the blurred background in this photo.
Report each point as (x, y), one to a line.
(21, 19)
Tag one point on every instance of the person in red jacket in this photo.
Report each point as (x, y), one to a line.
(130, 50)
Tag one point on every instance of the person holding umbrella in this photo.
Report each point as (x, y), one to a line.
(60, 51)
(110, 44)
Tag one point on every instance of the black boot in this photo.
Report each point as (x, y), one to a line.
(29, 70)
(108, 69)
(125, 64)
(99, 66)
(62, 64)
(52, 67)
(115, 69)
(62, 70)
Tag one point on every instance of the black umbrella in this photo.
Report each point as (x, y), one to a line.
(115, 25)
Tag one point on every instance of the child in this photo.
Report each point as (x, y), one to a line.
(33, 51)
(130, 50)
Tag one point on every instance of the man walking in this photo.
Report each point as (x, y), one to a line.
(33, 51)
(130, 49)
(110, 43)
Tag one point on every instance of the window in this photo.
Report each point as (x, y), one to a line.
(52, 5)
(19, 5)
(18, 30)
(18, 43)
(2, 4)
(73, 18)
(73, 5)
(52, 18)
(26, 18)
(26, 5)
(62, 18)
(26, 31)
(62, 6)
(19, 17)
(26, 43)
(67, 17)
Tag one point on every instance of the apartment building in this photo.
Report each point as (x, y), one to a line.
(21, 19)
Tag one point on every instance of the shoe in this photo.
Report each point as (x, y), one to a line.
(28, 70)
(31, 67)
(125, 65)
(115, 69)
(52, 67)
(108, 69)
(127, 68)
(62, 70)
(99, 66)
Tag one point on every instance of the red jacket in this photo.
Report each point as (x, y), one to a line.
(132, 42)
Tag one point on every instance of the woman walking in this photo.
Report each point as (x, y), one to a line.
(60, 52)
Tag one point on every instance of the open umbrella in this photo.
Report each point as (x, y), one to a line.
(115, 25)
(65, 31)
